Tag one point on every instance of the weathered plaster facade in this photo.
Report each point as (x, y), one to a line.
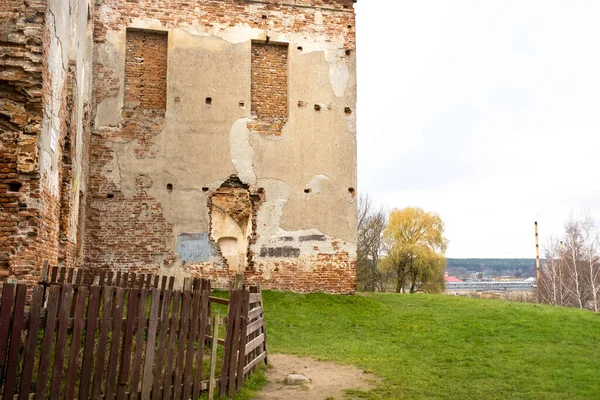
(45, 50)
(217, 136)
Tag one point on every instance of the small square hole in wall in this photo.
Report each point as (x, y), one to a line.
(352, 191)
(317, 107)
(348, 110)
(14, 186)
(205, 189)
(264, 16)
(300, 48)
(307, 191)
(241, 104)
(348, 52)
(209, 101)
(349, 26)
(110, 195)
(169, 186)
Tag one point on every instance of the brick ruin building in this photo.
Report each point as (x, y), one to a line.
(204, 138)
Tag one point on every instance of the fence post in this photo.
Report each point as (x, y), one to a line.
(243, 339)
(213, 356)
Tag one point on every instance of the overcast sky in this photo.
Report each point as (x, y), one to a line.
(486, 112)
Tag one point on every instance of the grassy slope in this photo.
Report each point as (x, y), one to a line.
(443, 347)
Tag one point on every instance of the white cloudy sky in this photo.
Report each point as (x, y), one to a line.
(486, 112)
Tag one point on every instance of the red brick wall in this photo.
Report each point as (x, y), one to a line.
(146, 70)
(269, 87)
(21, 111)
(130, 233)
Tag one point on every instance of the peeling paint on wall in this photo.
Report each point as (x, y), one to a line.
(194, 247)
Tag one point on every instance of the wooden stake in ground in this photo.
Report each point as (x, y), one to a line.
(213, 357)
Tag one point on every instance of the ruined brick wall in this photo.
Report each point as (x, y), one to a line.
(21, 32)
(146, 70)
(137, 181)
(269, 87)
(129, 231)
(37, 135)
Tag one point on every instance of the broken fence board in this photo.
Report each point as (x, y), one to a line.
(255, 362)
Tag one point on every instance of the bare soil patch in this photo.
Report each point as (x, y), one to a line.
(327, 380)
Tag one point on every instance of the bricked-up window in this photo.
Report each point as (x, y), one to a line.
(269, 87)
(146, 70)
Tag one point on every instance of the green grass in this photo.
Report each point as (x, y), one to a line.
(443, 347)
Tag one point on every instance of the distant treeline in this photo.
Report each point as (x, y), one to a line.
(498, 265)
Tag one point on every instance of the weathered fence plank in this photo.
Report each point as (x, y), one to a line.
(172, 342)
(90, 340)
(72, 372)
(15, 342)
(139, 343)
(61, 340)
(182, 340)
(32, 337)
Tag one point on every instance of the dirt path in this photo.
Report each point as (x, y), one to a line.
(327, 380)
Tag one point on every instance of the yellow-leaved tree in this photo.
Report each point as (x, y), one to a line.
(415, 246)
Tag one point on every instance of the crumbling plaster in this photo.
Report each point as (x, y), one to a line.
(58, 26)
(200, 145)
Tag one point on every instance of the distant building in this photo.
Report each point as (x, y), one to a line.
(450, 278)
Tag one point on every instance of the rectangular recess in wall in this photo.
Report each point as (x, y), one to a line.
(269, 87)
(146, 70)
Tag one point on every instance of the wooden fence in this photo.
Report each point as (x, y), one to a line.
(111, 338)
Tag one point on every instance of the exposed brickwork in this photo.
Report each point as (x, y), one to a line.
(257, 14)
(67, 241)
(269, 88)
(21, 112)
(114, 221)
(331, 273)
(146, 70)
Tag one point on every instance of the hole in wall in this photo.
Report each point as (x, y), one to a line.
(348, 110)
(348, 52)
(241, 104)
(110, 195)
(349, 26)
(22, 205)
(301, 103)
(352, 191)
(205, 189)
(209, 100)
(267, 39)
(300, 48)
(307, 191)
(264, 16)
(233, 222)
(169, 186)
(260, 190)
(14, 186)
(317, 107)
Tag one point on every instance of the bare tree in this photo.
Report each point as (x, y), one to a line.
(574, 255)
(550, 284)
(590, 238)
(371, 224)
(570, 275)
